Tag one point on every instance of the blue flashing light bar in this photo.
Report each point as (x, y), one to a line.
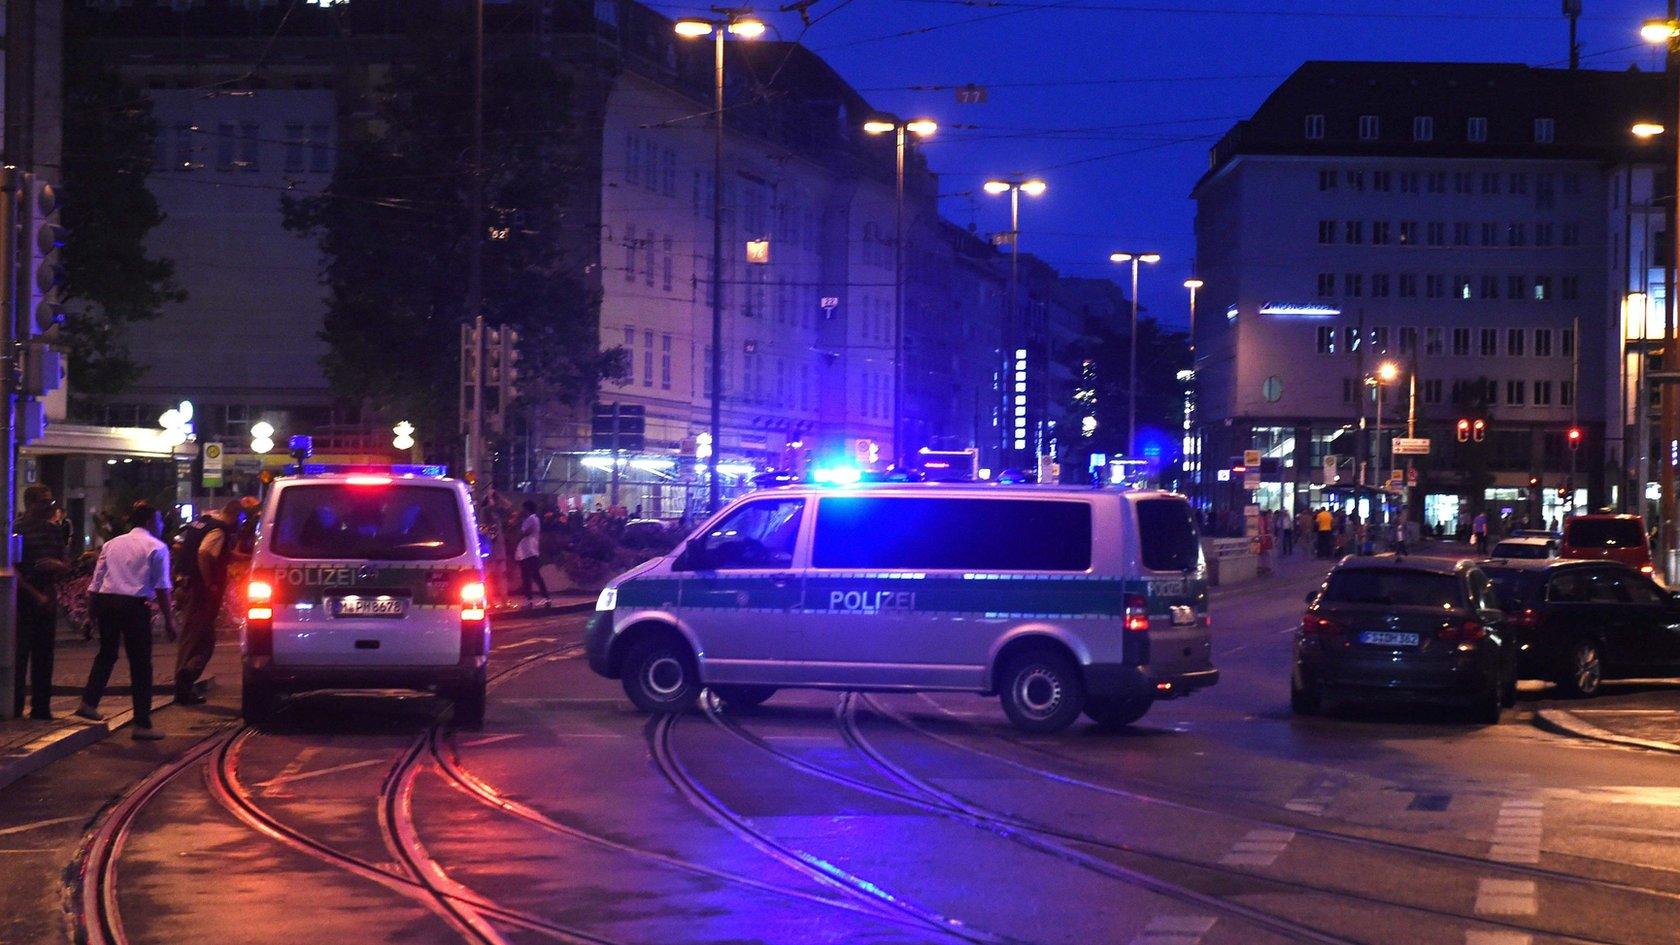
(837, 475)
(427, 471)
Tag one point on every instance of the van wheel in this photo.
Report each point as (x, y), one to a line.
(1582, 671)
(660, 676)
(743, 697)
(470, 702)
(1041, 691)
(257, 698)
(1117, 713)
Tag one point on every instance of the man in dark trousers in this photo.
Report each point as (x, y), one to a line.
(42, 563)
(133, 568)
(202, 552)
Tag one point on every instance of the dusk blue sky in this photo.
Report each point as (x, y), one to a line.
(1115, 103)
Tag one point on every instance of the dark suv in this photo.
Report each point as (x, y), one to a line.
(1418, 628)
(1581, 622)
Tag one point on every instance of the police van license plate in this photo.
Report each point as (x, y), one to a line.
(369, 606)
(1387, 638)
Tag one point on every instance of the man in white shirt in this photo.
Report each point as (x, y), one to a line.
(529, 554)
(133, 568)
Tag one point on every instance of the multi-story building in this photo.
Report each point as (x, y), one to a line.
(1455, 219)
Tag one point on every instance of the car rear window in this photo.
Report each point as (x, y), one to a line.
(1604, 533)
(1515, 589)
(1520, 549)
(1167, 535)
(905, 533)
(1393, 587)
(381, 522)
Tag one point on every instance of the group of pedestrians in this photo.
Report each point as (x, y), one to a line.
(133, 569)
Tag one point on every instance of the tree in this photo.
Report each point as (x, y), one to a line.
(393, 227)
(110, 281)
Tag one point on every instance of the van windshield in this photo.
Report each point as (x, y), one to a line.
(376, 522)
(1604, 533)
(1167, 535)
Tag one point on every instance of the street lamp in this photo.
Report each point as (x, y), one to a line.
(1666, 32)
(1386, 373)
(920, 128)
(1131, 357)
(743, 26)
(1014, 187)
(1193, 285)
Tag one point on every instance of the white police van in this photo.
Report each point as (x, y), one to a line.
(366, 578)
(1057, 599)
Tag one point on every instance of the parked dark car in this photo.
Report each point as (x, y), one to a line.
(1578, 623)
(1404, 627)
(1608, 537)
(1524, 547)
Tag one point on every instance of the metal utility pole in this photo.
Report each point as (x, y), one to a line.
(9, 309)
(1671, 395)
(1572, 10)
(1013, 338)
(898, 306)
(714, 493)
(475, 249)
(1132, 347)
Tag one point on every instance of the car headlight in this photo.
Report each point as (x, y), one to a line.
(608, 599)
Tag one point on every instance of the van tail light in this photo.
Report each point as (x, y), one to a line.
(1137, 613)
(1647, 569)
(472, 601)
(259, 616)
(1465, 631)
(1317, 625)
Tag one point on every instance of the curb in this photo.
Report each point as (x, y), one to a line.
(65, 741)
(1566, 723)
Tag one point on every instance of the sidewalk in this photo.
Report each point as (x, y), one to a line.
(1643, 714)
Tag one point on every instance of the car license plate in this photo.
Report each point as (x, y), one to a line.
(1182, 615)
(381, 606)
(1387, 638)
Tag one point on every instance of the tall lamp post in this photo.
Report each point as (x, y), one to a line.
(1014, 187)
(740, 24)
(1387, 372)
(1132, 348)
(1193, 284)
(920, 128)
(1666, 33)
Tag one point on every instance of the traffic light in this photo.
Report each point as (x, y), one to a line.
(402, 435)
(1478, 430)
(46, 249)
(1463, 430)
(1574, 438)
(262, 437)
(1563, 493)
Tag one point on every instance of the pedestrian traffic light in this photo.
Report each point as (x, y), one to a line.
(1574, 438)
(47, 237)
(1478, 430)
(402, 435)
(1463, 430)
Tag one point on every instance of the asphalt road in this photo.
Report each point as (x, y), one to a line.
(835, 818)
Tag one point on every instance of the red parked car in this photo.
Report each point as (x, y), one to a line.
(1609, 538)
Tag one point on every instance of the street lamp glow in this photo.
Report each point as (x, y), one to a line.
(1387, 371)
(692, 29)
(878, 126)
(1119, 257)
(922, 127)
(1647, 129)
(1193, 283)
(1658, 31)
(747, 28)
(995, 186)
(1150, 257)
(1034, 187)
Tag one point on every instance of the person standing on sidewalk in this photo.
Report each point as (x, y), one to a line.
(204, 548)
(43, 561)
(529, 554)
(133, 568)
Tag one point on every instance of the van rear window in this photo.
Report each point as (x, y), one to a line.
(907, 533)
(1167, 534)
(378, 522)
(1604, 533)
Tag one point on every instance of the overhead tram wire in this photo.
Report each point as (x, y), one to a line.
(1166, 9)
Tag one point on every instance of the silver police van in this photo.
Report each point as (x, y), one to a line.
(1057, 599)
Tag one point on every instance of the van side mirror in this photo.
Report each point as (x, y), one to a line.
(692, 558)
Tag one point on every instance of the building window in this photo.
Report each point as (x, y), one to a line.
(1379, 233)
(294, 148)
(667, 264)
(320, 146)
(1461, 288)
(250, 146)
(1566, 393)
(1476, 129)
(1490, 183)
(1519, 184)
(1408, 340)
(1326, 180)
(1542, 393)
(1515, 392)
(1516, 234)
(1490, 392)
(1379, 285)
(1490, 342)
(1353, 285)
(1433, 343)
(1356, 180)
(1571, 234)
(1516, 287)
(1544, 130)
(1326, 285)
(629, 354)
(629, 252)
(665, 362)
(647, 359)
(1542, 342)
(225, 143)
(1543, 234)
(1408, 232)
(1566, 342)
(1327, 231)
(1490, 234)
(1379, 338)
(1490, 287)
(1408, 182)
(1368, 127)
(1542, 288)
(1408, 285)
(1432, 391)
(1381, 181)
(1423, 128)
(1461, 233)
(1350, 339)
(1437, 182)
(1569, 288)
(1315, 128)
(1435, 285)
(1326, 340)
(1436, 233)
(1461, 342)
(1354, 232)
(1347, 390)
(1462, 181)
(1514, 338)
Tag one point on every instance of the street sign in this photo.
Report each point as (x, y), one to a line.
(1251, 479)
(1407, 446)
(212, 465)
(1251, 457)
(1411, 477)
(1331, 461)
(971, 94)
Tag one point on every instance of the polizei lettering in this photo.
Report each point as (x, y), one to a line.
(870, 602)
(319, 576)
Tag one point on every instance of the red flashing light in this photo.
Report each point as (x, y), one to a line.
(368, 480)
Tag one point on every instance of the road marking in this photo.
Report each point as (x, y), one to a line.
(1498, 938)
(1314, 799)
(1516, 834)
(489, 740)
(1174, 930)
(1622, 711)
(1258, 848)
(1506, 897)
(20, 828)
(289, 776)
(289, 772)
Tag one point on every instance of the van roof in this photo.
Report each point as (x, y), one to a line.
(366, 478)
(967, 489)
